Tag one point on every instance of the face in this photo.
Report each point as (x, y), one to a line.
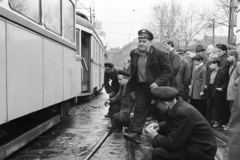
(126, 64)
(143, 44)
(108, 70)
(213, 66)
(167, 46)
(190, 54)
(210, 49)
(220, 52)
(197, 62)
(122, 80)
(230, 58)
(163, 106)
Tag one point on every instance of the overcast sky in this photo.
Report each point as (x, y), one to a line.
(122, 19)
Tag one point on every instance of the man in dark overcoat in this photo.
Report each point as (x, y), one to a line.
(185, 135)
(111, 82)
(175, 62)
(150, 68)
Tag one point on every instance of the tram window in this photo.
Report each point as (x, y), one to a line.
(68, 20)
(28, 8)
(52, 15)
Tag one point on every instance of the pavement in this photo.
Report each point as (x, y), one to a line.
(79, 134)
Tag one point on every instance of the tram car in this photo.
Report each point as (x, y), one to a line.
(49, 56)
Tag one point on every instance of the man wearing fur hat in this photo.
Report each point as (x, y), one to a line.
(185, 135)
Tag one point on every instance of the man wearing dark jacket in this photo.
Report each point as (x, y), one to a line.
(185, 135)
(222, 56)
(111, 74)
(150, 68)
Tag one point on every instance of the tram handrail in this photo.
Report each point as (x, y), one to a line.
(85, 64)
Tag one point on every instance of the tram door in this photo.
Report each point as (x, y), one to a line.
(85, 54)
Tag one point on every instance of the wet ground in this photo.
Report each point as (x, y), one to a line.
(79, 134)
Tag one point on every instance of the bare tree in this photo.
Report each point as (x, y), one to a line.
(97, 25)
(165, 20)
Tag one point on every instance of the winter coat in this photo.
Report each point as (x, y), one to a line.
(185, 128)
(234, 74)
(158, 68)
(175, 62)
(198, 83)
(114, 87)
(126, 101)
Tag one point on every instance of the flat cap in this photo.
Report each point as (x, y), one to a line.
(108, 64)
(232, 53)
(143, 33)
(223, 47)
(198, 57)
(124, 73)
(199, 48)
(164, 93)
(214, 60)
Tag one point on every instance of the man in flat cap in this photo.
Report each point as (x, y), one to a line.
(185, 135)
(125, 103)
(111, 74)
(150, 68)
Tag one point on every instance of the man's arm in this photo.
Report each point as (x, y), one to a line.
(180, 131)
(115, 99)
(166, 69)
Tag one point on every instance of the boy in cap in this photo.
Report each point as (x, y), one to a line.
(216, 89)
(123, 101)
(185, 135)
(111, 74)
(150, 68)
(198, 82)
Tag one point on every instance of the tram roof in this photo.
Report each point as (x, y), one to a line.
(84, 22)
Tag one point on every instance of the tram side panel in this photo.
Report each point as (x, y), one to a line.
(70, 79)
(24, 72)
(53, 73)
(3, 72)
(95, 75)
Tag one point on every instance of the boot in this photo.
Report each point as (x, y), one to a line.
(133, 137)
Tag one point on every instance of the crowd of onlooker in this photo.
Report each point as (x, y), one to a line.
(207, 79)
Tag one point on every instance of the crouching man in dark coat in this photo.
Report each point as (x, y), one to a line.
(185, 135)
(125, 102)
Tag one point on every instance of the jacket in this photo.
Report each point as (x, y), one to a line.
(198, 83)
(175, 62)
(234, 74)
(224, 63)
(220, 81)
(184, 75)
(114, 87)
(158, 68)
(126, 101)
(186, 128)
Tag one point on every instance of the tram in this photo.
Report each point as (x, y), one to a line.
(48, 57)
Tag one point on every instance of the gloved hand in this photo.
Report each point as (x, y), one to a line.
(112, 94)
(106, 103)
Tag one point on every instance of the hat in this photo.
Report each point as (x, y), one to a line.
(198, 57)
(164, 93)
(180, 51)
(222, 47)
(214, 60)
(199, 48)
(232, 53)
(143, 33)
(124, 73)
(108, 65)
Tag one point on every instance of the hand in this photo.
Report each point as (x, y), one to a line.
(106, 103)
(189, 86)
(219, 89)
(131, 115)
(202, 93)
(112, 94)
(154, 126)
(151, 132)
(153, 85)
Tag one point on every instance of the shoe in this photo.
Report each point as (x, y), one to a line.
(216, 124)
(114, 129)
(133, 137)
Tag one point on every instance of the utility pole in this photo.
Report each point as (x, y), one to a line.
(213, 34)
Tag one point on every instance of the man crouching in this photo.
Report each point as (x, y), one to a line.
(185, 135)
(123, 101)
